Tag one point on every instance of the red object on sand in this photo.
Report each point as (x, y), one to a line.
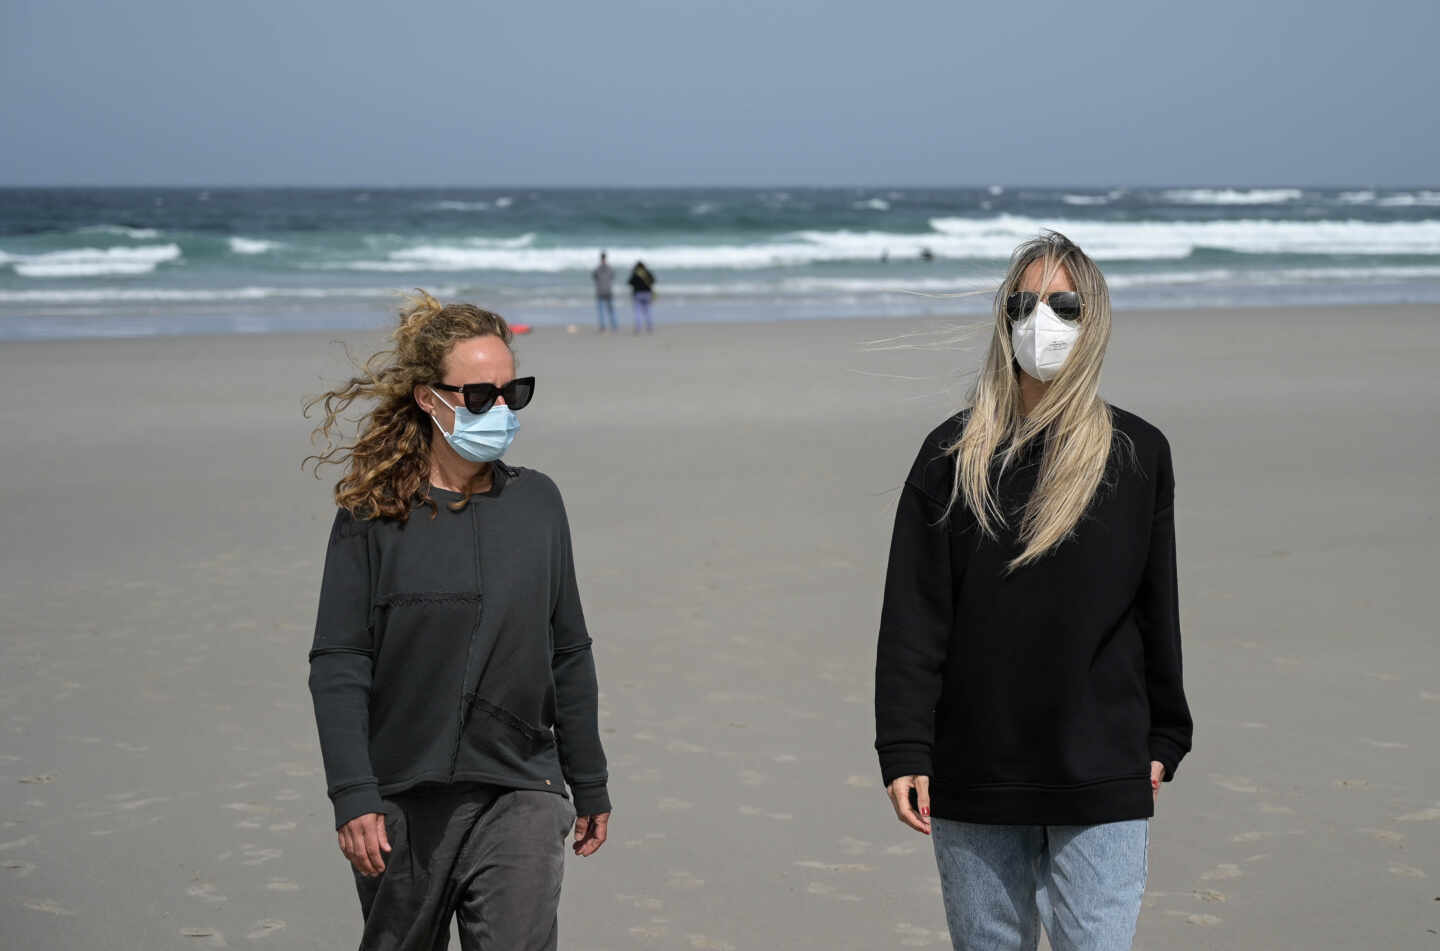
(520, 328)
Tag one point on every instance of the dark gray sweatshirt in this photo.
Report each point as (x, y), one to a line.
(453, 649)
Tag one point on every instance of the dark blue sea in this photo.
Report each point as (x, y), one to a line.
(135, 261)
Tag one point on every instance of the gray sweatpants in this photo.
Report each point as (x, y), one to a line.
(492, 857)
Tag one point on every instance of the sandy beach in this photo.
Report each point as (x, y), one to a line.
(730, 489)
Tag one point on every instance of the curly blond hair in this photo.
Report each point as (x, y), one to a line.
(388, 464)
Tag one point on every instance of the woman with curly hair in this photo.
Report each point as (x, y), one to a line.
(451, 671)
(1028, 697)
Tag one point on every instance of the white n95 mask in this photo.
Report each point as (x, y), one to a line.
(1042, 341)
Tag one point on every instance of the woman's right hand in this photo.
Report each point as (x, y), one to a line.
(916, 817)
(362, 839)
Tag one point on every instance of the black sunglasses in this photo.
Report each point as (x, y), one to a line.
(1066, 304)
(479, 397)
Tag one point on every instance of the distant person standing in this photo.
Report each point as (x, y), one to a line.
(604, 277)
(642, 290)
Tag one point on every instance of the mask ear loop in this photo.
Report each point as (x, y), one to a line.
(433, 416)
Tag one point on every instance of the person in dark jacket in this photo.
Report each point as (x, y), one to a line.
(1028, 693)
(642, 293)
(451, 671)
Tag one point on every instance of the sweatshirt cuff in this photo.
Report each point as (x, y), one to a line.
(354, 801)
(1167, 754)
(591, 799)
(897, 763)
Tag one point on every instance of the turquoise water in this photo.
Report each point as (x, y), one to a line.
(118, 262)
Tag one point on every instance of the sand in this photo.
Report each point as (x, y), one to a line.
(730, 490)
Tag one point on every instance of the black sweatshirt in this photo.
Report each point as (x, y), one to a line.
(453, 649)
(1039, 696)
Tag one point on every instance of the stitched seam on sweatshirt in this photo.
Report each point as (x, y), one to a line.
(573, 648)
(363, 651)
(425, 597)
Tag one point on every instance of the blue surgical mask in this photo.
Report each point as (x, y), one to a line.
(482, 437)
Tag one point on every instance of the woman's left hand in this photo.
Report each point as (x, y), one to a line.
(1157, 773)
(590, 832)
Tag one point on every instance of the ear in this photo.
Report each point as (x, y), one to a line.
(424, 398)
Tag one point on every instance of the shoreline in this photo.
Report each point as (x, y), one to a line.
(586, 326)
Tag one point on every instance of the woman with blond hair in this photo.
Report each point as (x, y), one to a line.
(1028, 696)
(454, 688)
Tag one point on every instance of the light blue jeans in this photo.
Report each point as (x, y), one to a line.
(1001, 882)
(603, 306)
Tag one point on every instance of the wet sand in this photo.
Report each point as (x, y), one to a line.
(730, 489)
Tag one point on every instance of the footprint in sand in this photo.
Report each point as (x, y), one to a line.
(832, 867)
(264, 928)
(704, 943)
(205, 891)
(254, 856)
(853, 846)
(1241, 784)
(17, 843)
(913, 936)
(1209, 895)
(861, 782)
(212, 936)
(1273, 809)
(1195, 919)
(756, 811)
(825, 890)
(1406, 871)
(1387, 744)
(751, 777)
(1351, 783)
(1387, 836)
(1222, 871)
(1422, 815)
(49, 906)
(653, 930)
(1252, 836)
(684, 880)
(19, 868)
(282, 885)
(671, 804)
(642, 902)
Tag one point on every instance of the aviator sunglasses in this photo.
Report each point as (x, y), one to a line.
(479, 397)
(1066, 304)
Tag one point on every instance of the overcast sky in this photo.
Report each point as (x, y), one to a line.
(716, 92)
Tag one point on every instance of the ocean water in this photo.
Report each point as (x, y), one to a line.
(137, 261)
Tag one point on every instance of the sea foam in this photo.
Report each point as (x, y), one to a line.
(1232, 196)
(252, 245)
(92, 262)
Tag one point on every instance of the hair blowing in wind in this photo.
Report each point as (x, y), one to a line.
(1074, 422)
(387, 467)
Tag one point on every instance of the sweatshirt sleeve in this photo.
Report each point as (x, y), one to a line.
(1158, 616)
(577, 731)
(915, 626)
(341, 663)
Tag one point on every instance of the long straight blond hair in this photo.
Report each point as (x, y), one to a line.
(1074, 422)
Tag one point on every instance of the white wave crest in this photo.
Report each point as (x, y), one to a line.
(1085, 199)
(1356, 198)
(252, 245)
(504, 201)
(448, 205)
(139, 234)
(92, 262)
(1158, 240)
(1232, 196)
(873, 204)
(972, 239)
(186, 296)
(1426, 199)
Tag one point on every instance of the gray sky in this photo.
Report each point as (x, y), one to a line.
(716, 92)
